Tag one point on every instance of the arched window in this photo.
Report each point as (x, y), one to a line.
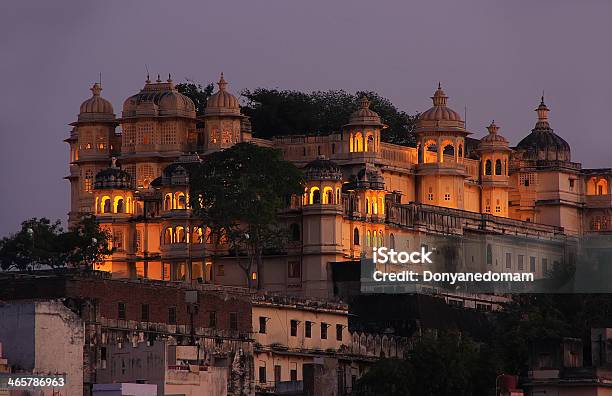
(295, 232)
(129, 206)
(460, 151)
(168, 236)
(180, 235)
(119, 208)
(488, 166)
(358, 142)
(315, 196)
(602, 187)
(333, 148)
(328, 195)
(338, 196)
(498, 167)
(374, 206)
(370, 144)
(392, 241)
(356, 236)
(168, 202)
(105, 206)
(179, 198)
(380, 239)
(367, 208)
(381, 205)
(449, 149)
(368, 239)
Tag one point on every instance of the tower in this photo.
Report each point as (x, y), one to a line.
(494, 158)
(363, 130)
(223, 122)
(92, 142)
(441, 148)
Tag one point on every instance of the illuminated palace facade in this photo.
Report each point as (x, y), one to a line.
(360, 192)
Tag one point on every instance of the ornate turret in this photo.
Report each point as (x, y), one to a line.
(224, 124)
(363, 129)
(542, 144)
(96, 108)
(494, 158)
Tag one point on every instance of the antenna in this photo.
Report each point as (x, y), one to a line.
(100, 80)
(147, 69)
(465, 115)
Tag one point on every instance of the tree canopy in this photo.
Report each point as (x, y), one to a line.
(197, 93)
(240, 191)
(274, 112)
(42, 244)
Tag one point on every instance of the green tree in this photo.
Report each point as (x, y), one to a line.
(239, 193)
(197, 93)
(43, 244)
(445, 365)
(275, 113)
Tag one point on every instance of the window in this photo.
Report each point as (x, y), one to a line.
(144, 312)
(324, 331)
(455, 303)
(294, 326)
(498, 167)
(172, 315)
(483, 307)
(520, 262)
(508, 260)
(308, 329)
(295, 232)
(277, 373)
(221, 270)
(121, 310)
(233, 318)
(293, 372)
(532, 262)
(430, 196)
(262, 324)
(339, 329)
(212, 319)
(447, 197)
(392, 241)
(489, 254)
(294, 269)
(488, 166)
(88, 183)
(356, 236)
(544, 266)
(571, 184)
(118, 240)
(262, 374)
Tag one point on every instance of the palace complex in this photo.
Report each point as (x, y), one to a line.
(512, 208)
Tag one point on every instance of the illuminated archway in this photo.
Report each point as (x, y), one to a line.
(328, 195)
(105, 205)
(168, 236)
(168, 201)
(315, 195)
(602, 187)
(179, 200)
(118, 204)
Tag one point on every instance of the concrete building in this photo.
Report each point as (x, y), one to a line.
(44, 337)
(173, 369)
(124, 389)
(361, 192)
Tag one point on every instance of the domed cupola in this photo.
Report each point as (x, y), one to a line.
(177, 173)
(493, 141)
(370, 178)
(159, 99)
(542, 144)
(113, 178)
(440, 114)
(322, 169)
(222, 103)
(96, 108)
(364, 115)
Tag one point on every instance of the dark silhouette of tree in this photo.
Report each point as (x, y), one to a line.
(238, 192)
(42, 244)
(197, 93)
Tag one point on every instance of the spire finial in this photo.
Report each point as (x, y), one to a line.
(148, 80)
(96, 89)
(439, 98)
(364, 103)
(222, 83)
(169, 77)
(493, 128)
(158, 79)
(542, 110)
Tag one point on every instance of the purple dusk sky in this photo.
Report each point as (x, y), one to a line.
(495, 57)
